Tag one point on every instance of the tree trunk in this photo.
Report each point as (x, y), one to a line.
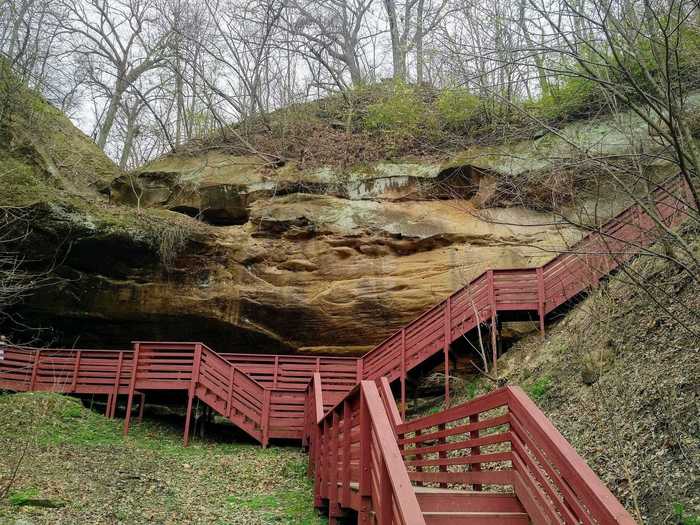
(419, 42)
(397, 52)
(129, 139)
(106, 126)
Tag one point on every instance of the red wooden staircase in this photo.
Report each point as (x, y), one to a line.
(363, 456)
(494, 460)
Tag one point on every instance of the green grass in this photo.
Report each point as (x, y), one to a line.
(540, 387)
(79, 458)
(22, 496)
(683, 517)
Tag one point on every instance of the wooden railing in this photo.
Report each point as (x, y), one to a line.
(551, 480)
(81, 371)
(503, 440)
(539, 290)
(356, 461)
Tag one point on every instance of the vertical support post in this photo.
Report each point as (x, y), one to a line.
(347, 431)
(316, 443)
(229, 399)
(442, 455)
(540, 299)
(403, 373)
(142, 403)
(365, 461)
(333, 508)
(190, 392)
(419, 457)
(360, 370)
(266, 418)
(325, 458)
(274, 377)
(475, 451)
(132, 386)
(108, 408)
(446, 344)
(494, 327)
(117, 384)
(494, 346)
(385, 496)
(305, 428)
(318, 365)
(74, 384)
(35, 370)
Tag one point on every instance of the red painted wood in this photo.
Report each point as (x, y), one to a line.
(403, 372)
(132, 386)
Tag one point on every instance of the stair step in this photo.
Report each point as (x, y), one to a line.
(446, 500)
(476, 518)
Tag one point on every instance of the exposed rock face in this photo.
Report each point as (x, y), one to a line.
(249, 257)
(334, 268)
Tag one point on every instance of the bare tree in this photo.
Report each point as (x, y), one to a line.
(409, 22)
(116, 42)
(332, 32)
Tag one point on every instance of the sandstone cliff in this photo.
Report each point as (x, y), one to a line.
(253, 257)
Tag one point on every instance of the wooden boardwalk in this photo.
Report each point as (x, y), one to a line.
(364, 457)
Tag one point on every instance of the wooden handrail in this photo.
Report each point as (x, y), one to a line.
(578, 476)
(403, 496)
(318, 396)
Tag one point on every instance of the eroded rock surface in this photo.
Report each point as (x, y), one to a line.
(251, 257)
(313, 262)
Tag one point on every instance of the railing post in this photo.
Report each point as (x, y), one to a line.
(540, 298)
(274, 377)
(365, 488)
(419, 457)
(494, 327)
(265, 423)
(446, 349)
(74, 384)
(333, 507)
(403, 373)
(117, 381)
(132, 386)
(229, 400)
(318, 396)
(347, 434)
(35, 370)
(442, 454)
(316, 443)
(325, 459)
(196, 361)
(475, 451)
(360, 370)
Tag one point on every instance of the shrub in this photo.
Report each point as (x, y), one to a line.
(540, 387)
(577, 97)
(458, 109)
(401, 111)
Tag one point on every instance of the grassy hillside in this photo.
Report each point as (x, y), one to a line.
(77, 462)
